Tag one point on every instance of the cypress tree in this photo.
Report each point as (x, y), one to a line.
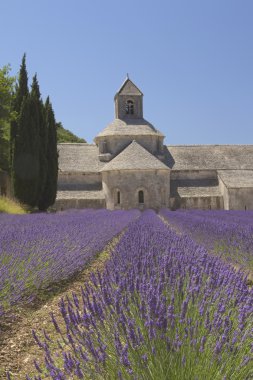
(49, 194)
(34, 156)
(26, 155)
(20, 93)
(2, 143)
(38, 110)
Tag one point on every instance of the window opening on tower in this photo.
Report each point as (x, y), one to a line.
(129, 107)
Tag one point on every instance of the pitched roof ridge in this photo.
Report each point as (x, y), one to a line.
(124, 83)
(125, 160)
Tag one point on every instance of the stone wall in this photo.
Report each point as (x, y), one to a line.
(120, 106)
(237, 193)
(240, 198)
(195, 189)
(79, 181)
(203, 203)
(153, 183)
(224, 192)
(64, 204)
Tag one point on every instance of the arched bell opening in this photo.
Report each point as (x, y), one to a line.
(129, 107)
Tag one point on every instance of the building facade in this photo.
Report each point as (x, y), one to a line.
(130, 167)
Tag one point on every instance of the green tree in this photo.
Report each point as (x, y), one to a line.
(6, 97)
(26, 165)
(33, 145)
(38, 110)
(21, 92)
(50, 189)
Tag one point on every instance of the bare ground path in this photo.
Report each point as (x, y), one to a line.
(17, 346)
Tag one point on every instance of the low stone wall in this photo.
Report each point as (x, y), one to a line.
(203, 203)
(64, 204)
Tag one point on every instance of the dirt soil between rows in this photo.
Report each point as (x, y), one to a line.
(17, 346)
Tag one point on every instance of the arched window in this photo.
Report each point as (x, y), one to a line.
(118, 197)
(141, 196)
(129, 107)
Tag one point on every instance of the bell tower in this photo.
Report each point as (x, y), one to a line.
(128, 125)
(128, 101)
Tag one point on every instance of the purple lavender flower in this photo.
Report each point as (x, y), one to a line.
(158, 292)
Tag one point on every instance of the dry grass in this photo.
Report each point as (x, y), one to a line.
(10, 206)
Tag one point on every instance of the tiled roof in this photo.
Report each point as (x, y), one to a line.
(75, 157)
(79, 158)
(207, 157)
(236, 178)
(212, 191)
(129, 127)
(134, 156)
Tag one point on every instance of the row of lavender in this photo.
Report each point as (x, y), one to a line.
(39, 249)
(162, 309)
(227, 233)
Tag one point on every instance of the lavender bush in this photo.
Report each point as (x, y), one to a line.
(162, 309)
(226, 233)
(38, 249)
(231, 216)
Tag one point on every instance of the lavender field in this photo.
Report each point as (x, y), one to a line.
(39, 249)
(228, 234)
(163, 308)
(170, 302)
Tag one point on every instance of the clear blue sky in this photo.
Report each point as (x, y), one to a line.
(193, 60)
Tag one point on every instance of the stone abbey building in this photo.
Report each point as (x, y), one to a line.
(130, 167)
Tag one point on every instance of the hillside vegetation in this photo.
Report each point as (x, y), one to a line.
(65, 136)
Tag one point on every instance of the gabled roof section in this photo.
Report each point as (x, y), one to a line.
(134, 157)
(237, 178)
(128, 88)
